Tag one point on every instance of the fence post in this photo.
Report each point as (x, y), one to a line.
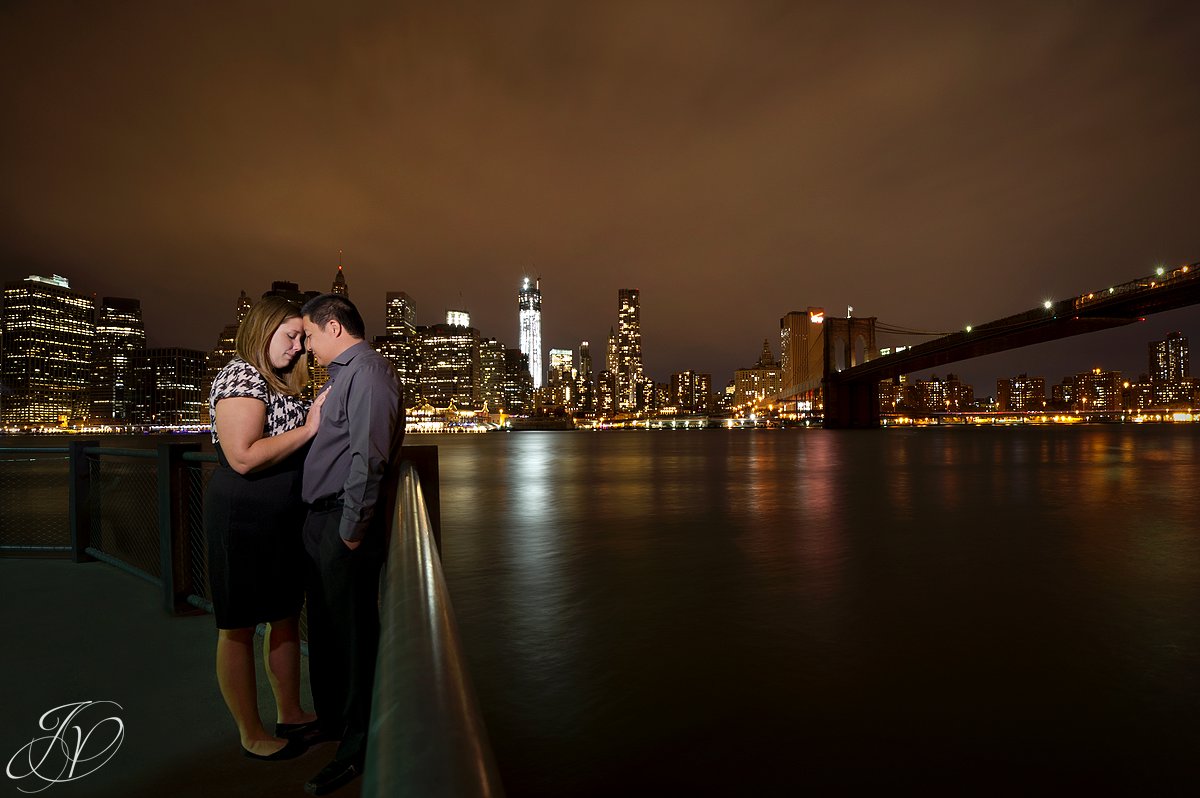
(79, 510)
(174, 537)
(425, 461)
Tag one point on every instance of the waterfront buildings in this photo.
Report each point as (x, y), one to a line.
(1170, 372)
(629, 372)
(120, 333)
(169, 387)
(449, 366)
(401, 313)
(491, 375)
(529, 308)
(1096, 391)
(1021, 394)
(518, 382)
(801, 347)
(759, 384)
(46, 364)
(691, 392)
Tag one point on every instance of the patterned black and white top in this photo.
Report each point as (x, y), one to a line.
(239, 378)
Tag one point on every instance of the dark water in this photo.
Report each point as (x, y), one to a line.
(949, 611)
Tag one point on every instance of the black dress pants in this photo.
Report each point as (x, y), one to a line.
(343, 628)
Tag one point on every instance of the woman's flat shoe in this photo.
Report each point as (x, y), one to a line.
(290, 731)
(293, 749)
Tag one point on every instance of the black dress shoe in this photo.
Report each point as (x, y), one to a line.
(293, 749)
(336, 774)
(302, 730)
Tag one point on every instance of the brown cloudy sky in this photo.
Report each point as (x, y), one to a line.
(932, 164)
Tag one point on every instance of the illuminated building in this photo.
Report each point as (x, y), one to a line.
(458, 318)
(48, 332)
(606, 393)
(119, 333)
(529, 305)
(339, 282)
(449, 366)
(400, 345)
(225, 349)
(629, 350)
(950, 394)
(491, 375)
(401, 352)
(1096, 391)
(611, 359)
(691, 392)
(401, 314)
(561, 379)
(759, 384)
(801, 348)
(518, 382)
(587, 391)
(168, 387)
(1171, 385)
(1021, 394)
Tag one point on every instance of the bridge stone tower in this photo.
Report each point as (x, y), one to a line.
(849, 342)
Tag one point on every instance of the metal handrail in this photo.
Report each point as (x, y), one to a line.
(427, 735)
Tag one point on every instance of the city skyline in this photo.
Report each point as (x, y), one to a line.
(733, 162)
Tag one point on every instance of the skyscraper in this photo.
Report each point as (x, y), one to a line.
(1170, 384)
(339, 281)
(529, 303)
(48, 332)
(629, 348)
(800, 347)
(401, 313)
(119, 333)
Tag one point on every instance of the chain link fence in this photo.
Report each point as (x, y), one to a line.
(33, 502)
(123, 504)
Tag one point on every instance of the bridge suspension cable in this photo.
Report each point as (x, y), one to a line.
(882, 326)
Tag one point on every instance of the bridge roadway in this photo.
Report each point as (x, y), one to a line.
(851, 397)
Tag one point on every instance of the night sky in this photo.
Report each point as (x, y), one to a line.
(932, 164)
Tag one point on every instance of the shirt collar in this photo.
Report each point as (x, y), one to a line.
(346, 356)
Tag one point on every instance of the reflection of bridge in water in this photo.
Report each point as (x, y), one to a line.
(853, 368)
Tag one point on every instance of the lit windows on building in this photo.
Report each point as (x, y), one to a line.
(401, 314)
(529, 306)
(1096, 391)
(46, 364)
(119, 333)
(761, 383)
(518, 382)
(491, 375)
(449, 367)
(691, 392)
(458, 318)
(168, 387)
(629, 350)
(1021, 394)
(801, 347)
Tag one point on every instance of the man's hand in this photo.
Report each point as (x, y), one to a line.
(352, 544)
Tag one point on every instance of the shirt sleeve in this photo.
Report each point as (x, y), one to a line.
(372, 412)
(239, 378)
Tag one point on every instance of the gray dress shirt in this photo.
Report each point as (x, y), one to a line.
(362, 426)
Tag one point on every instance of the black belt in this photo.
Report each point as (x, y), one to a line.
(326, 503)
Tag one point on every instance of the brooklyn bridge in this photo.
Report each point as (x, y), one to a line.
(846, 376)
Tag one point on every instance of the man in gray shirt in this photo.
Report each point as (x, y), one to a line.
(349, 485)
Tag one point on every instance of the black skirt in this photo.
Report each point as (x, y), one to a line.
(255, 555)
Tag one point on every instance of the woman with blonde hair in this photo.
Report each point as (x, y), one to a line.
(253, 516)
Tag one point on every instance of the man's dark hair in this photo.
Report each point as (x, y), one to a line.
(321, 309)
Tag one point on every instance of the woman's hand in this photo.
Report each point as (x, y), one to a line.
(313, 420)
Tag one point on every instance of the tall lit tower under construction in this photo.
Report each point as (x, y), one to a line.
(529, 303)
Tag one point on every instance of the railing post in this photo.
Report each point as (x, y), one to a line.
(425, 461)
(79, 489)
(174, 537)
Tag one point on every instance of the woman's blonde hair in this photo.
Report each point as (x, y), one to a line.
(254, 340)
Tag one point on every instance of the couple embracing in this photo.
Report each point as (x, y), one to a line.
(299, 506)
